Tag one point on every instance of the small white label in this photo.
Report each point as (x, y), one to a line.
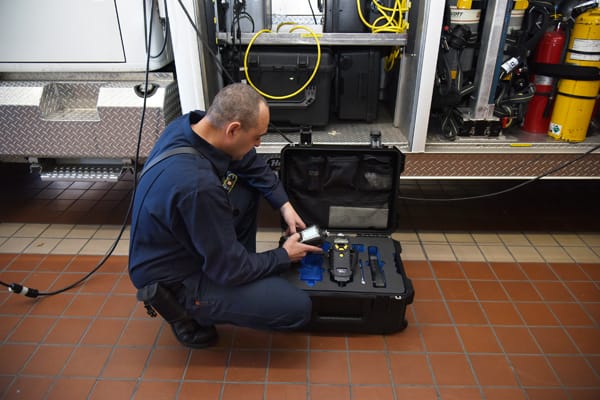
(555, 130)
(586, 46)
(543, 80)
(510, 64)
(464, 16)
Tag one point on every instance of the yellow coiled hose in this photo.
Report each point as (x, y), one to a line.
(391, 20)
(311, 77)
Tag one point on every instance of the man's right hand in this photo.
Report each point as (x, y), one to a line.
(297, 250)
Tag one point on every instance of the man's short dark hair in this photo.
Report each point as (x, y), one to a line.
(235, 102)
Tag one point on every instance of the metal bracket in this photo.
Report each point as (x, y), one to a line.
(376, 139)
(306, 135)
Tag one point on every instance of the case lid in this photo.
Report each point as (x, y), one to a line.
(346, 188)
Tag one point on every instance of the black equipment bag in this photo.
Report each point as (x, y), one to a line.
(358, 284)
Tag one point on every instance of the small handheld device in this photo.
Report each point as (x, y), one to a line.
(340, 260)
(313, 235)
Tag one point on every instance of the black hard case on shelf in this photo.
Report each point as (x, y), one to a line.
(350, 190)
(357, 83)
(279, 71)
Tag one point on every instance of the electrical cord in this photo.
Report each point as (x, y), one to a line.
(239, 12)
(205, 43)
(167, 29)
(34, 293)
(510, 189)
(287, 139)
(312, 11)
(236, 22)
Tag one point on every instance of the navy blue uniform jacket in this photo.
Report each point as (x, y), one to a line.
(182, 223)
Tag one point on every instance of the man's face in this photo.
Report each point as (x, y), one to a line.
(248, 138)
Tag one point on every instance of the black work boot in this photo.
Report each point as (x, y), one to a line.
(159, 299)
(191, 334)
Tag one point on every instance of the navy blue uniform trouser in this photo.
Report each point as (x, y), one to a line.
(269, 303)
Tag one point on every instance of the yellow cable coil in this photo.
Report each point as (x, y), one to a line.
(310, 79)
(394, 22)
(391, 20)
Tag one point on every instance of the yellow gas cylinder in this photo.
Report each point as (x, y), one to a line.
(575, 100)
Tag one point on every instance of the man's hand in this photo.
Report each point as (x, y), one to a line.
(291, 218)
(296, 250)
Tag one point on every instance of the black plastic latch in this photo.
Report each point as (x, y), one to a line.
(303, 62)
(376, 139)
(306, 135)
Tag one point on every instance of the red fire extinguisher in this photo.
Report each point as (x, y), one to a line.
(549, 51)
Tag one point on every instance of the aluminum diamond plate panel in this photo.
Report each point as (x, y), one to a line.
(436, 165)
(83, 119)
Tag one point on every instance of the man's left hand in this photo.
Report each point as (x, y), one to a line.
(291, 218)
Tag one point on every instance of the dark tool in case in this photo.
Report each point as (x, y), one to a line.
(341, 259)
(358, 284)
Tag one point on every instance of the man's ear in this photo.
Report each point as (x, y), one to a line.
(232, 129)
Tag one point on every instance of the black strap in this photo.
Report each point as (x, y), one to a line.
(574, 96)
(567, 71)
(167, 154)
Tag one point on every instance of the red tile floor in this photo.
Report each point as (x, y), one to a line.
(493, 318)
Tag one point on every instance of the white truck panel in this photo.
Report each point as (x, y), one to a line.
(78, 35)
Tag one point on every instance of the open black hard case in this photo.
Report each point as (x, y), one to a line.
(351, 191)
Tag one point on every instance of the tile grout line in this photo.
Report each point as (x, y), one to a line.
(525, 325)
(228, 363)
(188, 360)
(427, 353)
(114, 345)
(583, 355)
(37, 346)
(93, 319)
(445, 301)
(436, 386)
(528, 327)
(447, 241)
(493, 329)
(388, 363)
(456, 331)
(42, 342)
(267, 366)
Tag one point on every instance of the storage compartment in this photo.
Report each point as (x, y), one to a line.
(280, 72)
(358, 284)
(357, 83)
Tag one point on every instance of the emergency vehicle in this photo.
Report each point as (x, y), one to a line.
(466, 89)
